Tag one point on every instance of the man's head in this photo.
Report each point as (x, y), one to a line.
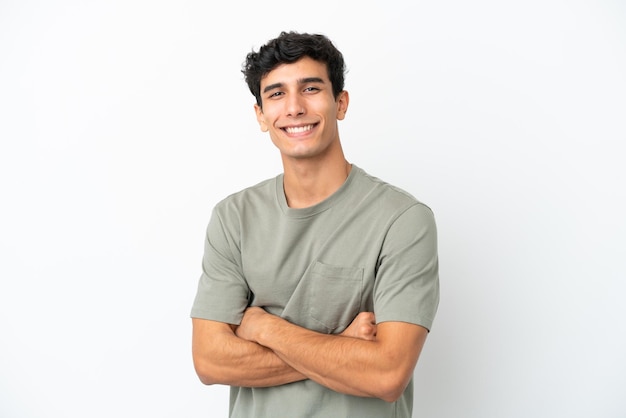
(288, 48)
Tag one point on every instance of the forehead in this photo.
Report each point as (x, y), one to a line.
(294, 72)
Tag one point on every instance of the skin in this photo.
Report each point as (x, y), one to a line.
(221, 357)
(380, 367)
(301, 116)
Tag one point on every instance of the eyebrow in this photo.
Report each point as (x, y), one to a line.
(305, 80)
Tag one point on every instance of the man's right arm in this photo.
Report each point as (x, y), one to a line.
(220, 357)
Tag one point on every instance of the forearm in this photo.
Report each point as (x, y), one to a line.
(220, 357)
(371, 368)
(311, 353)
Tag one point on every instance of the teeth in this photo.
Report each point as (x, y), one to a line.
(298, 129)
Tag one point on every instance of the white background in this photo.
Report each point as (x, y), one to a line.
(123, 122)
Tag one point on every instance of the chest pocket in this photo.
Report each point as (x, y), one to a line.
(335, 296)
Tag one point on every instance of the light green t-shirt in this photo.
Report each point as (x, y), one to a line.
(368, 247)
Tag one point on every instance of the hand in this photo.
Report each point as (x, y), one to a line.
(363, 326)
(250, 323)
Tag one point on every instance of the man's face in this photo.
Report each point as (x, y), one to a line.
(299, 110)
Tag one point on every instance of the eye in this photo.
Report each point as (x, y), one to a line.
(311, 89)
(275, 94)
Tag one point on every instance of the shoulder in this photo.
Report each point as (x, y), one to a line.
(258, 193)
(388, 196)
(236, 209)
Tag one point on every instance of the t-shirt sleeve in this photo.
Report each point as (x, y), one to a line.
(222, 293)
(407, 282)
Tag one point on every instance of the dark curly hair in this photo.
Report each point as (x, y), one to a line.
(287, 48)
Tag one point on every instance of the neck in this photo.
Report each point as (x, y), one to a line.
(307, 183)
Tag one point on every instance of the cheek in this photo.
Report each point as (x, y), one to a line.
(274, 139)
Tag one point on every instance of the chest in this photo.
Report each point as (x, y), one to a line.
(315, 273)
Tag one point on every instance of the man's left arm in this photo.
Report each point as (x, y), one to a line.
(380, 368)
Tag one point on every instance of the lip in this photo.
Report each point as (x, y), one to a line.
(301, 129)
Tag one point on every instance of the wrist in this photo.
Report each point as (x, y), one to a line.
(264, 330)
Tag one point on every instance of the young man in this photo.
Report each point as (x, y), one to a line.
(319, 286)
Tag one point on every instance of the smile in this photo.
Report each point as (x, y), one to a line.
(298, 129)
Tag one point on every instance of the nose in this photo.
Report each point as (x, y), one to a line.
(295, 106)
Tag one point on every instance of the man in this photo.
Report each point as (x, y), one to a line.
(319, 286)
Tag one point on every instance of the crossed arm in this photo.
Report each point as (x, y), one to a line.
(264, 350)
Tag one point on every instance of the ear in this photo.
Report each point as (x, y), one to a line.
(260, 117)
(342, 104)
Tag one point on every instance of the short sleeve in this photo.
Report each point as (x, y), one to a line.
(407, 280)
(222, 293)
